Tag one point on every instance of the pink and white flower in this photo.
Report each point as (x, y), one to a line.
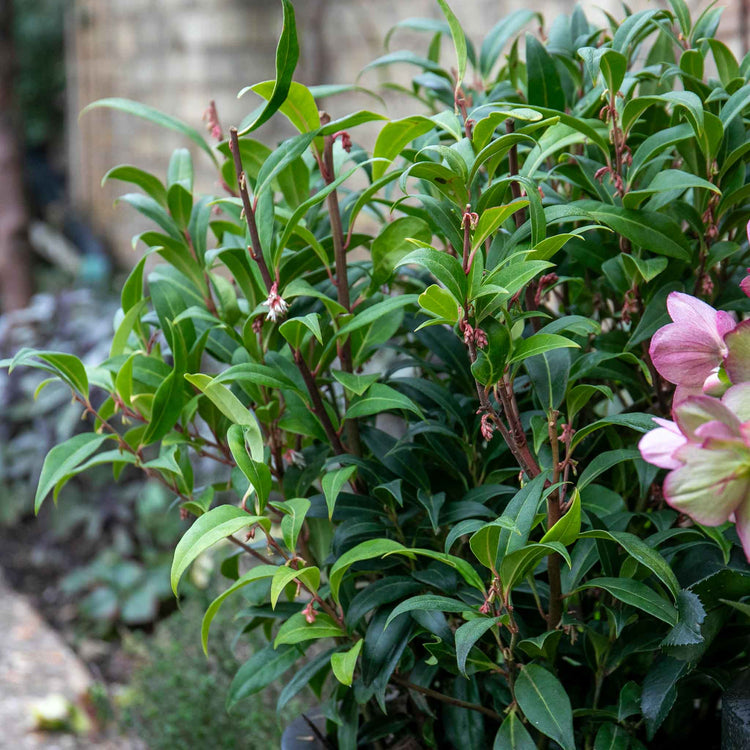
(691, 348)
(707, 449)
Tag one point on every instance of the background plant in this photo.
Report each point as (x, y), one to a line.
(429, 445)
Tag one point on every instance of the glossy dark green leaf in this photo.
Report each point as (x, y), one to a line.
(466, 637)
(545, 704)
(513, 735)
(637, 595)
(259, 671)
(544, 88)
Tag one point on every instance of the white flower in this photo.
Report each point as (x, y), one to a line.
(276, 305)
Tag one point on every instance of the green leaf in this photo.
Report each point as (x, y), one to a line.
(64, 459)
(210, 528)
(459, 40)
(427, 603)
(353, 382)
(440, 303)
(545, 704)
(295, 509)
(280, 159)
(668, 179)
(445, 268)
(153, 115)
(227, 403)
(521, 510)
(611, 737)
(380, 398)
(145, 180)
(640, 551)
(513, 735)
(285, 575)
(485, 542)
(294, 329)
(343, 664)
(467, 635)
(539, 343)
(647, 229)
(297, 630)
(298, 107)
(256, 472)
(254, 574)
(687, 632)
(603, 462)
(516, 565)
(394, 136)
(567, 529)
(333, 482)
(735, 105)
(376, 312)
(364, 551)
(492, 218)
(167, 406)
(660, 690)
(637, 595)
(287, 54)
(67, 367)
(392, 244)
(499, 35)
(634, 421)
(259, 671)
(304, 676)
(382, 591)
(544, 88)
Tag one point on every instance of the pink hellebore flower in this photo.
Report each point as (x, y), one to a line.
(708, 452)
(691, 348)
(745, 283)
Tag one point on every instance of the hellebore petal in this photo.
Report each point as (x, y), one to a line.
(745, 284)
(696, 411)
(737, 361)
(737, 400)
(686, 351)
(742, 524)
(657, 446)
(711, 484)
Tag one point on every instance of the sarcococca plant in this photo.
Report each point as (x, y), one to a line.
(407, 383)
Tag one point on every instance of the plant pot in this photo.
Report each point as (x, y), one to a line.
(735, 714)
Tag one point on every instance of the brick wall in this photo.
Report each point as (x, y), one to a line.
(176, 55)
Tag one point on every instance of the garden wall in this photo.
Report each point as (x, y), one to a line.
(177, 55)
